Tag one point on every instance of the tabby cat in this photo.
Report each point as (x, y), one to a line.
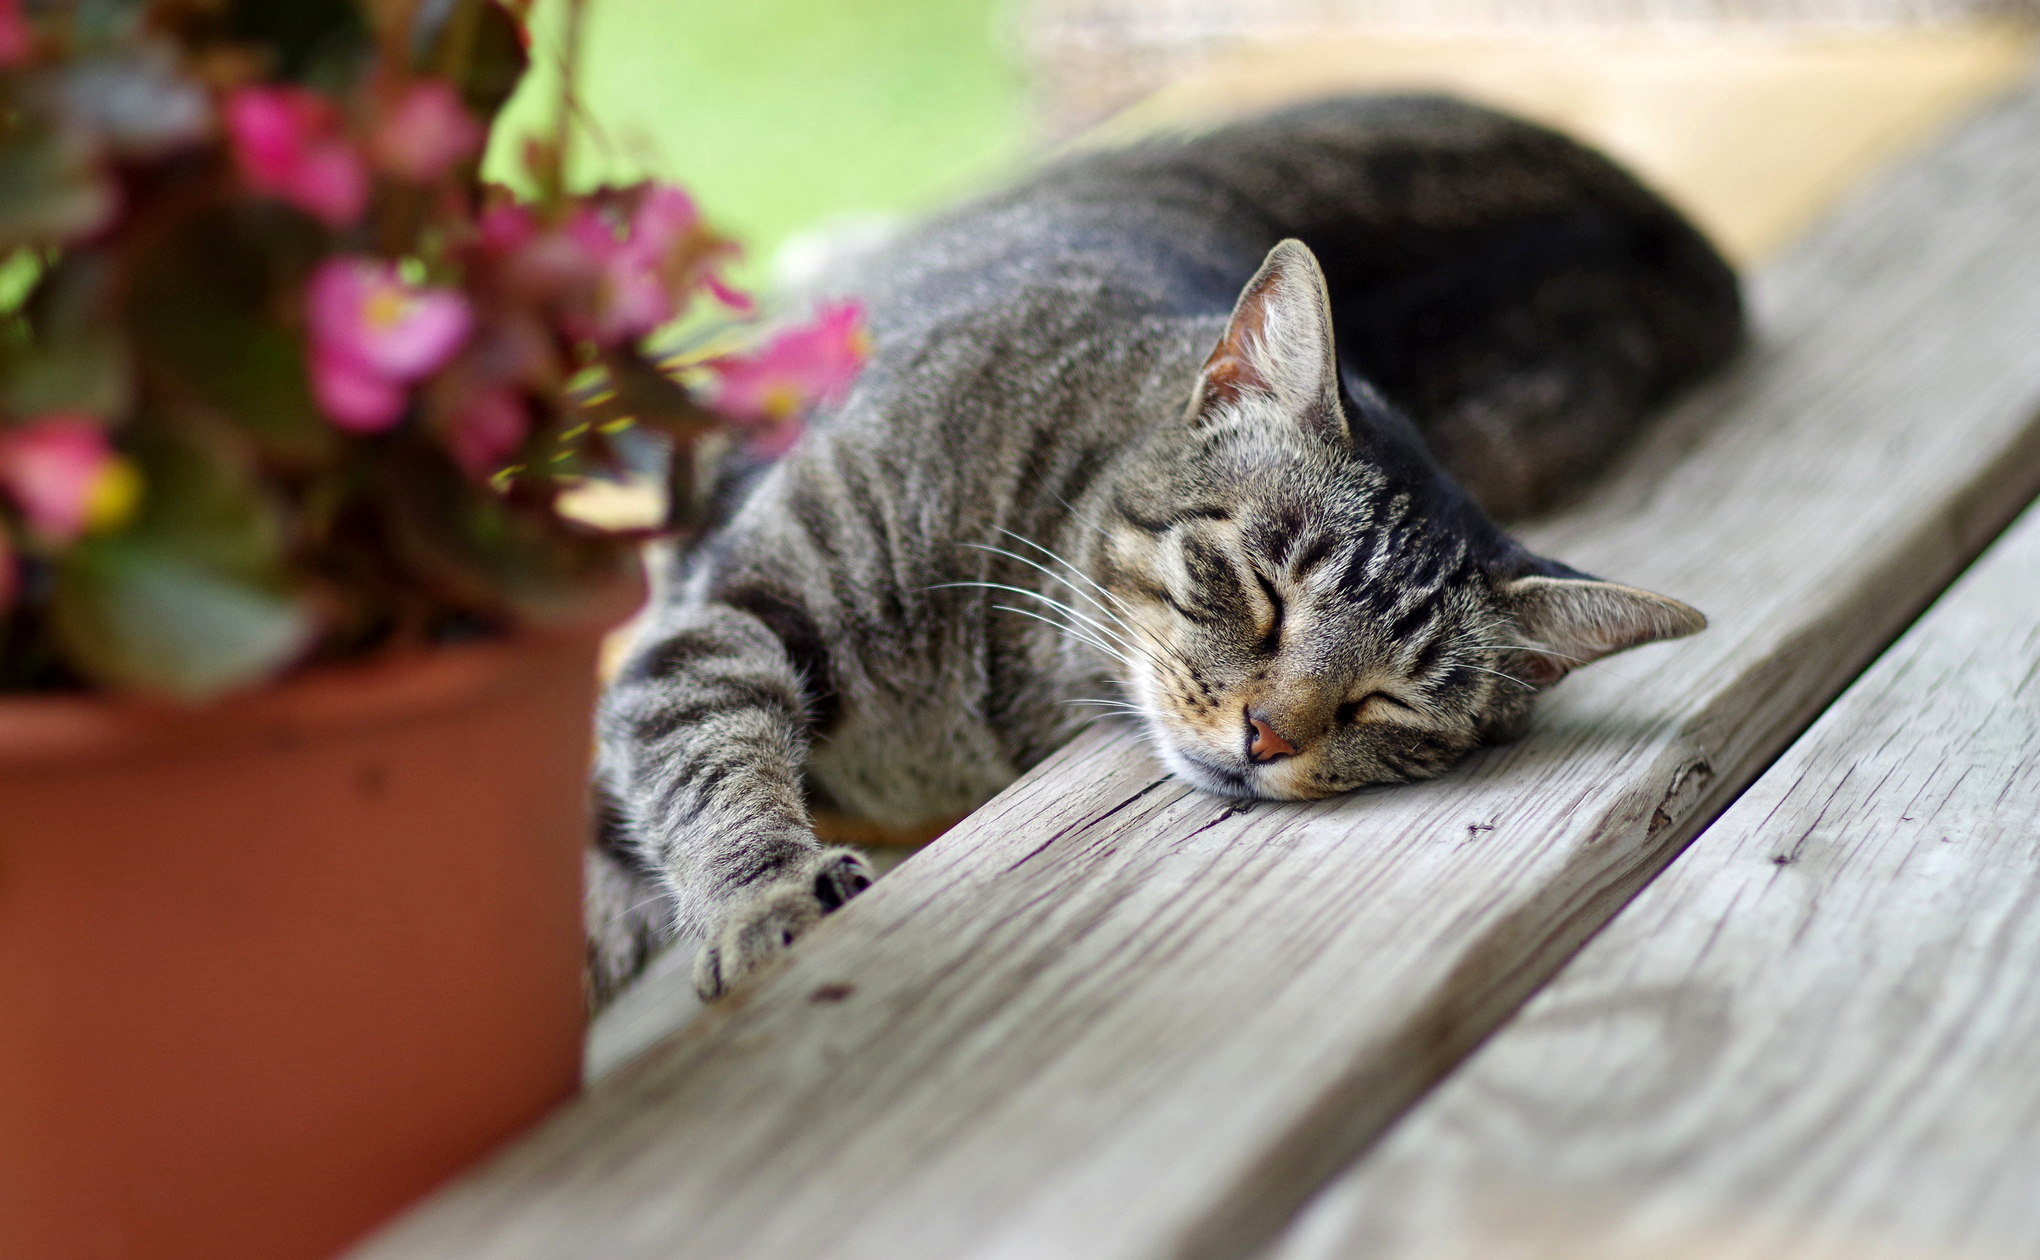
(1207, 434)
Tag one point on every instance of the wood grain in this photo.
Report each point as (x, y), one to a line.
(1815, 1036)
(1108, 1017)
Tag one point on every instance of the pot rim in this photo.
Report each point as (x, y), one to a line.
(48, 731)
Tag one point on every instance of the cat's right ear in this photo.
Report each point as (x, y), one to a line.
(1278, 346)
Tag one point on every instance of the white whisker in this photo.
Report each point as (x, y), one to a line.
(1056, 604)
(1087, 579)
(1524, 647)
(1129, 620)
(1044, 569)
(1132, 627)
(1499, 674)
(1096, 528)
(1073, 633)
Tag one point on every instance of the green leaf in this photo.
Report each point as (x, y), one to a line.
(192, 598)
(50, 188)
(480, 552)
(74, 355)
(198, 503)
(19, 272)
(495, 59)
(204, 305)
(321, 43)
(137, 615)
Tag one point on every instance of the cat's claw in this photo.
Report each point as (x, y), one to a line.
(761, 928)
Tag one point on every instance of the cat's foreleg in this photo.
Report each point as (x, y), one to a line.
(704, 738)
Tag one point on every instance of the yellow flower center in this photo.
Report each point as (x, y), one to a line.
(781, 401)
(115, 494)
(385, 308)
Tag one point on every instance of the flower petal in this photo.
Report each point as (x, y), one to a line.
(486, 429)
(634, 301)
(55, 470)
(506, 226)
(17, 37)
(353, 394)
(428, 327)
(664, 214)
(289, 144)
(329, 184)
(735, 299)
(361, 311)
(426, 134)
(798, 368)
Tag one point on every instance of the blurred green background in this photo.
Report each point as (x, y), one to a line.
(779, 114)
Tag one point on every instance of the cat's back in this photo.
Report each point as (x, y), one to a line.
(1174, 224)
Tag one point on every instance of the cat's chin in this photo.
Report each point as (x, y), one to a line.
(1220, 781)
(1201, 774)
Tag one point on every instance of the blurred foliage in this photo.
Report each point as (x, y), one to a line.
(283, 380)
(783, 113)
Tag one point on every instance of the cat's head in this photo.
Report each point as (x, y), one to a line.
(1307, 605)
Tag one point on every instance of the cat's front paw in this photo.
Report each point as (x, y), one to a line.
(760, 928)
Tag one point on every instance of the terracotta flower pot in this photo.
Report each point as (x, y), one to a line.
(271, 969)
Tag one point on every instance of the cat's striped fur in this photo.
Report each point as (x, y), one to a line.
(1105, 459)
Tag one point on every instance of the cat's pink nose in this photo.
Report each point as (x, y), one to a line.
(1263, 744)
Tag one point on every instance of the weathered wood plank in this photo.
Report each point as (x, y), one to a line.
(1815, 1036)
(1108, 1017)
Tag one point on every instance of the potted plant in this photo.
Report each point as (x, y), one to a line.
(297, 626)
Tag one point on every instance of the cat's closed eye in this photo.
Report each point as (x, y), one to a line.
(1375, 704)
(1271, 634)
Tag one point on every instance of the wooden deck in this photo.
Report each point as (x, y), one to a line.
(1814, 1036)
(1109, 1017)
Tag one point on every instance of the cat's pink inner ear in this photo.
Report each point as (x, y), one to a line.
(1230, 370)
(1278, 344)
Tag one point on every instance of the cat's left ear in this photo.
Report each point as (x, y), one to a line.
(1567, 622)
(1278, 345)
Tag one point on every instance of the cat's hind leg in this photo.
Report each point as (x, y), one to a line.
(628, 919)
(1530, 355)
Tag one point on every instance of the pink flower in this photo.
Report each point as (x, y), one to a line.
(425, 134)
(485, 429)
(355, 397)
(722, 292)
(668, 234)
(507, 226)
(664, 216)
(289, 143)
(631, 299)
(65, 476)
(17, 41)
(372, 335)
(646, 263)
(814, 363)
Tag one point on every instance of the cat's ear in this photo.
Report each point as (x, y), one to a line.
(1567, 622)
(1279, 345)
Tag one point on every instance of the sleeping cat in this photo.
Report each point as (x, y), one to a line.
(1205, 434)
